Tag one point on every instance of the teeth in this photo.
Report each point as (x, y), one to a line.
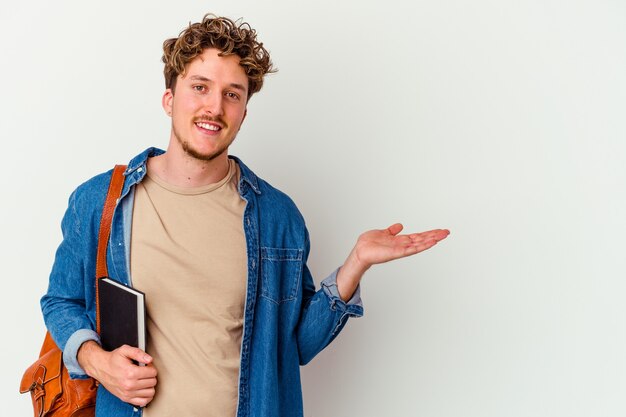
(208, 126)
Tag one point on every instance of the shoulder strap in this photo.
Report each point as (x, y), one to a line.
(115, 190)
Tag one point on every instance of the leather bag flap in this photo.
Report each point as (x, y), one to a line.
(43, 379)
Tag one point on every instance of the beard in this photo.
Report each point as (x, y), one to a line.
(194, 153)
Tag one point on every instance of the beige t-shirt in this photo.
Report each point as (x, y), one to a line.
(188, 255)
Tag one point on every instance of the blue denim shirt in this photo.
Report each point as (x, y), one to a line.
(286, 322)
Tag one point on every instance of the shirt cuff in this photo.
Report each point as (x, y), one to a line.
(70, 353)
(330, 288)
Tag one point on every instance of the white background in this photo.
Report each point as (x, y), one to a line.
(503, 121)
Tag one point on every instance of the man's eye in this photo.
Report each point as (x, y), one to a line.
(232, 96)
(199, 88)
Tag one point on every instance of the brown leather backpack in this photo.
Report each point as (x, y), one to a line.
(53, 393)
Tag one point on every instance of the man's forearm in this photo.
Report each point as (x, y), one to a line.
(349, 276)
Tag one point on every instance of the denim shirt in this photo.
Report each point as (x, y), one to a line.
(286, 322)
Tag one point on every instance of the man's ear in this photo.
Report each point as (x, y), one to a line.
(166, 101)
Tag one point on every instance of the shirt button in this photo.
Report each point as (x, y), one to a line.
(140, 169)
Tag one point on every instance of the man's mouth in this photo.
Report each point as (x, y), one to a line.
(208, 126)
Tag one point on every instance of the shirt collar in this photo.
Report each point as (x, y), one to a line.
(246, 173)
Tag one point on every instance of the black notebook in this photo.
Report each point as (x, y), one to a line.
(122, 315)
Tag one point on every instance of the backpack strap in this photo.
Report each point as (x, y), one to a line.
(113, 195)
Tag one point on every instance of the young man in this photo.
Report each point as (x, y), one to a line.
(221, 255)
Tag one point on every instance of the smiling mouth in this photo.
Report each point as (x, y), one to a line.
(208, 126)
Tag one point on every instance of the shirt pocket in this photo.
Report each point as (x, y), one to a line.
(281, 269)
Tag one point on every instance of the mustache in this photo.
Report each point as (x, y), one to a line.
(210, 119)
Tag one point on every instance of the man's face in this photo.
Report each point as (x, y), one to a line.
(208, 106)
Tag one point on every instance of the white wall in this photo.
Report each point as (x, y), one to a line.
(501, 120)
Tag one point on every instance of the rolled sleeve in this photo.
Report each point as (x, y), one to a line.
(324, 315)
(70, 353)
(352, 308)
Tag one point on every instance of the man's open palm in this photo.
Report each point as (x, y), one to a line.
(378, 246)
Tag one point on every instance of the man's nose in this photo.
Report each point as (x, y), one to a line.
(213, 104)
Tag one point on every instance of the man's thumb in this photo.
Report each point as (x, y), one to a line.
(135, 354)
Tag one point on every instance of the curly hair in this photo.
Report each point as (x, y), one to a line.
(228, 36)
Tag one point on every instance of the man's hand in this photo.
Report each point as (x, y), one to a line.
(379, 246)
(116, 371)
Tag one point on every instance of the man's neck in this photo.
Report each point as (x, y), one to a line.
(183, 170)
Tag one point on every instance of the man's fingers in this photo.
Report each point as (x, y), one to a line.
(145, 393)
(135, 354)
(141, 398)
(145, 383)
(149, 371)
(136, 391)
(124, 379)
(427, 245)
(419, 247)
(437, 234)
